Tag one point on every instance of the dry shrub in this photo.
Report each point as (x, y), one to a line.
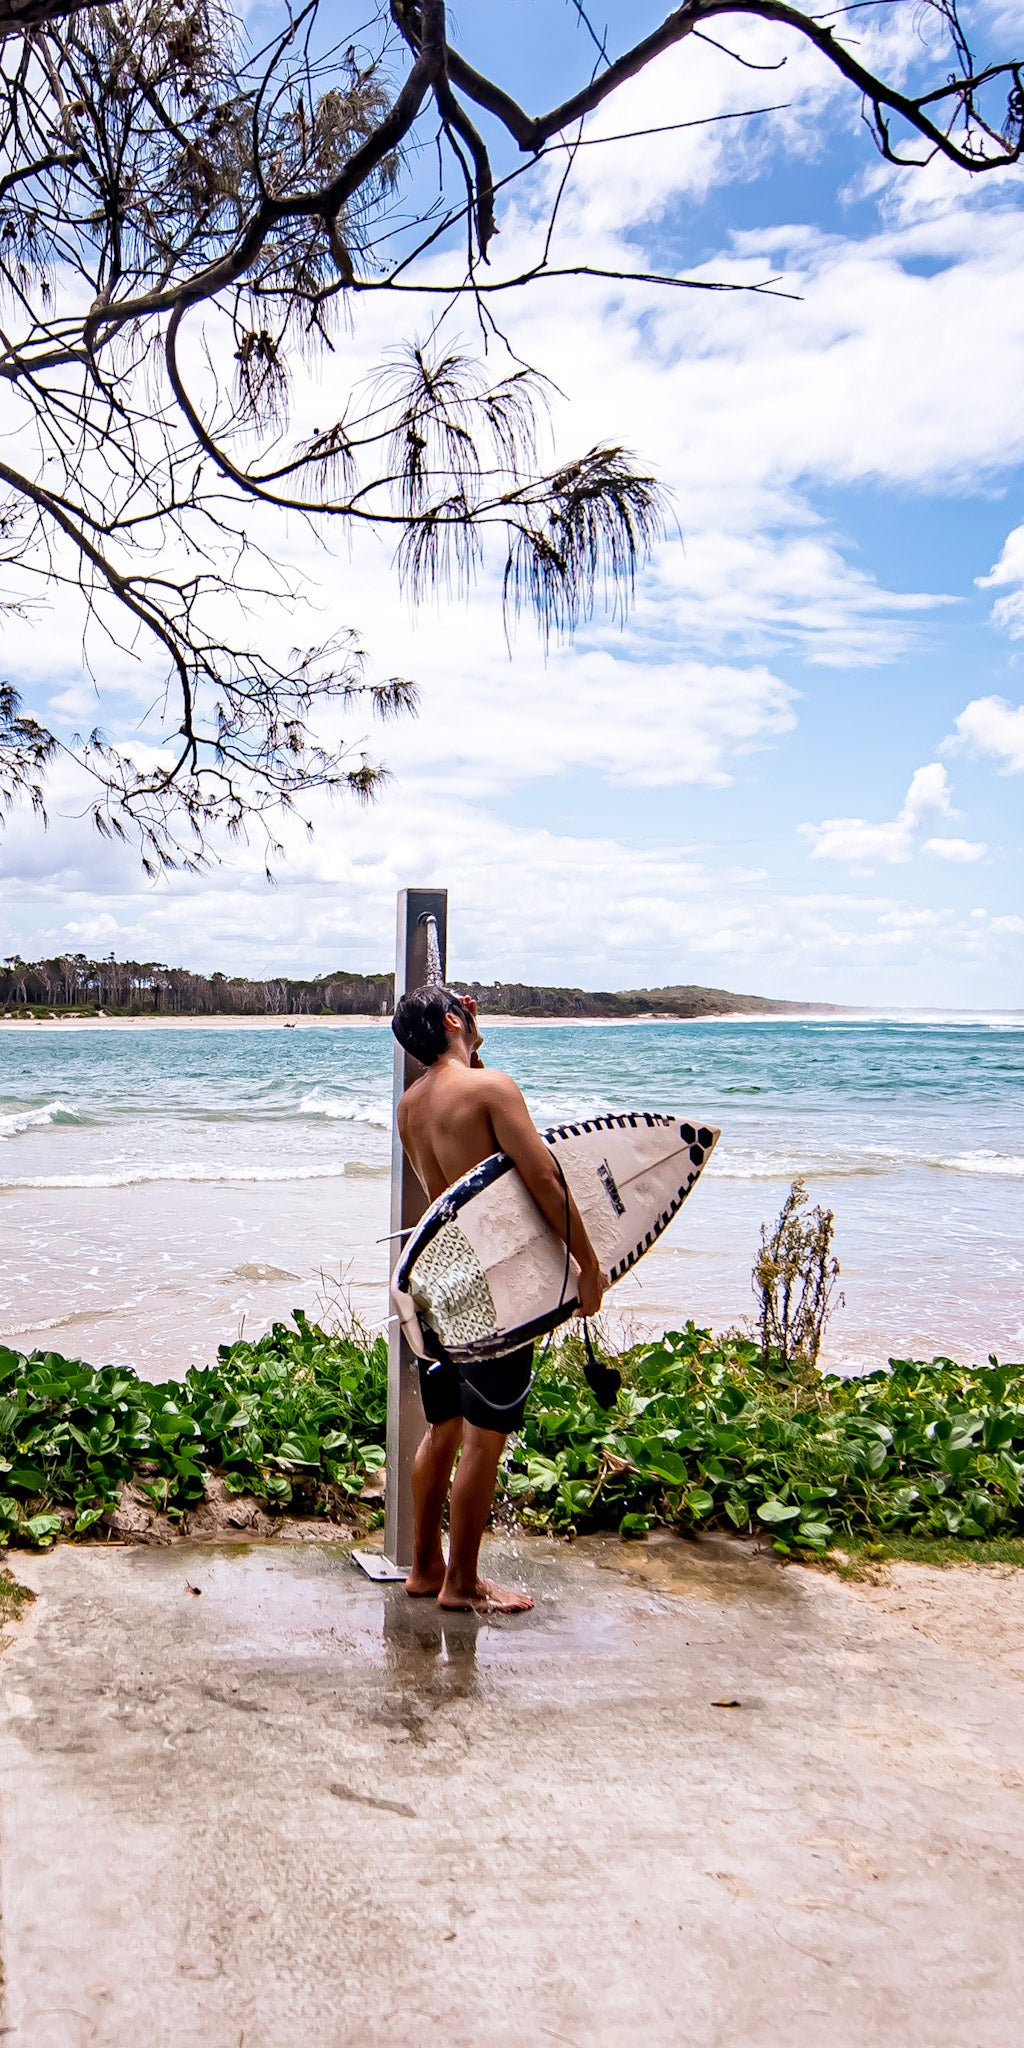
(795, 1275)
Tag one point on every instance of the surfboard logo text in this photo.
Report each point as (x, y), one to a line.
(607, 1180)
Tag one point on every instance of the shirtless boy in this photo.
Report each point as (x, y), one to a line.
(456, 1114)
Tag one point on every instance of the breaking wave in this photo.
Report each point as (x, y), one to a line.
(1009, 1163)
(726, 1165)
(15, 1122)
(177, 1170)
(866, 1160)
(376, 1114)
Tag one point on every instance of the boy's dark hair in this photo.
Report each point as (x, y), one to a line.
(418, 1022)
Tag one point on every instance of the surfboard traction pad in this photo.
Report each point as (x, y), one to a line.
(450, 1287)
(440, 1282)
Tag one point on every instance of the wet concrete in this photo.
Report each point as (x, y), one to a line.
(298, 1810)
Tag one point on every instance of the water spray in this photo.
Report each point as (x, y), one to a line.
(434, 976)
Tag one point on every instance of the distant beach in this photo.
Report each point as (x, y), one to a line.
(334, 1023)
(196, 1023)
(508, 1021)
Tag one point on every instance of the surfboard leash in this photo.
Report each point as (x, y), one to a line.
(603, 1380)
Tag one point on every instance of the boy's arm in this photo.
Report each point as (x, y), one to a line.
(534, 1162)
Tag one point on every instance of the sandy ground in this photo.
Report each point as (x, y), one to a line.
(331, 1023)
(975, 1611)
(694, 1799)
(812, 1013)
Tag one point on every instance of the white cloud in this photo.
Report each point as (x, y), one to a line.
(490, 722)
(752, 592)
(742, 398)
(959, 850)
(637, 179)
(857, 843)
(694, 82)
(990, 725)
(93, 931)
(1008, 612)
(529, 902)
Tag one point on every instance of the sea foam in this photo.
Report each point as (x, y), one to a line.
(1009, 1163)
(176, 1170)
(376, 1113)
(15, 1122)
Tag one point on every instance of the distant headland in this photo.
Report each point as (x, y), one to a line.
(72, 986)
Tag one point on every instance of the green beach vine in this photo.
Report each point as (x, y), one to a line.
(701, 1436)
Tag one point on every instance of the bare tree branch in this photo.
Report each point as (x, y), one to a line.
(184, 221)
(958, 94)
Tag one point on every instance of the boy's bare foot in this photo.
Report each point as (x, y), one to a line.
(424, 1585)
(484, 1598)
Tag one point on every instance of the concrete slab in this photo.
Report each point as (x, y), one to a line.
(298, 1810)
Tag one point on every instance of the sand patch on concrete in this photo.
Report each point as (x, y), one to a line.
(974, 1610)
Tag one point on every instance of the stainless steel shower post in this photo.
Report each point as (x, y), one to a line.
(415, 963)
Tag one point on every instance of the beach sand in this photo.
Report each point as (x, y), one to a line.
(157, 1275)
(332, 1023)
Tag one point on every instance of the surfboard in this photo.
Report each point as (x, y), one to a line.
(485, 1273)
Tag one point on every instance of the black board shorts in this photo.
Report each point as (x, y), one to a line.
(492, 1395)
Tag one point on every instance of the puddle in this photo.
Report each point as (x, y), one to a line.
(282, 1638)
(309, 1607)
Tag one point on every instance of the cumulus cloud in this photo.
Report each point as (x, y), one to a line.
(1008, 611)
(991, 725)
(528, 902)
(857, 843)
(958, 850)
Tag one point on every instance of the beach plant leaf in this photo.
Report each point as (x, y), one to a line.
(775, 1510)
(698, 1502)
(701, 1436)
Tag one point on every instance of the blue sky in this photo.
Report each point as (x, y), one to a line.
(717, 791)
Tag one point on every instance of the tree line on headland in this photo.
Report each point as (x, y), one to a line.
(146, 988)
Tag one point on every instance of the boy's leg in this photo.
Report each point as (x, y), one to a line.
(472, 1494)
(432, 1469)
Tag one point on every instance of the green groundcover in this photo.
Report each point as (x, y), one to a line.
(701, 1435)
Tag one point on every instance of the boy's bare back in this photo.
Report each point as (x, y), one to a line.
(459, 1112)
(446, 1121)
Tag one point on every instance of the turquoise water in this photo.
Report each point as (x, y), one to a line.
(139, 1102)
(911, 1129)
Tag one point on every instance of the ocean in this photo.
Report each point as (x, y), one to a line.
(162, 1189)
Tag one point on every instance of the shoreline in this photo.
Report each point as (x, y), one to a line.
(331, 1022)
(824, 1013)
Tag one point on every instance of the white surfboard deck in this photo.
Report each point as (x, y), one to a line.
(484, 1273)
